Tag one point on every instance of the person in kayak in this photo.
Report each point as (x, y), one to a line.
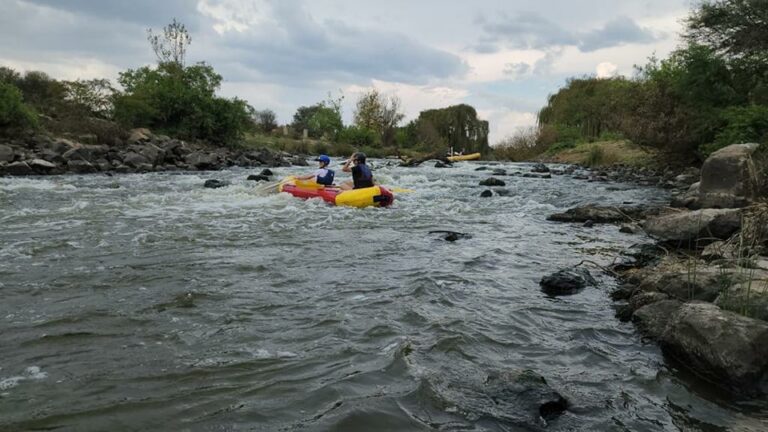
(322, 175)
(361, 173)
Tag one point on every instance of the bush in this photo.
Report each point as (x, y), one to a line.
(358, 136)
(341, 149)
(742, 125)
(523, 145)
(181, 101)
(14, 113)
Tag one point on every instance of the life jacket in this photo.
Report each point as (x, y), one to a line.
(327, 179)
(362, 176)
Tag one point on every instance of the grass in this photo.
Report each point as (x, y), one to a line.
(604, 153)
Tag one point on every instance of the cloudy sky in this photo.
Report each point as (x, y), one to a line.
(501, 56)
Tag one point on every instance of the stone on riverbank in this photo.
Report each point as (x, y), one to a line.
(6, 154)
(727, 349)
(730, 177)
(567, 281)
(19, 169)
(652, 318)
(700, 226)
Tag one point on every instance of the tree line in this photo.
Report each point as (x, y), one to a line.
(177, 99)
(709, 93)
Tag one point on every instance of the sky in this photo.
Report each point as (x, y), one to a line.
(504, 57)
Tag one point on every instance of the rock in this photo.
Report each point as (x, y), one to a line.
(540, 168)
(202, 160)
(6, 154)
(441, 164)
(266, 172)
(567, 281)
(492, 181)
(499, 172)
(62, 145)
(139, 136)
(135, 160)
(652, 318)
(703, 284)
(215, 184)
(637, 301)
(690, 199)
(486, 194)
(623, 292)
(599, 214)
(299, 161)
(721, 250)
(628, 229)
(482, 168)
(727, 349)
(81, 166)
(519, 397)
(452, 236)
(539, 176)
(748, 298)
(18, 169)
(41, 166)
(699, 226)
(730, 177)
(258, 178)
(502, 192)
(589, 224)
(152, 153)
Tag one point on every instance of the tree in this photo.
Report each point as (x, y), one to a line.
(321, 120)
(14, 113)
(737, 29)
(91, 97)
(170, 46)
(265, 120)
(379, 113)
(456, 126)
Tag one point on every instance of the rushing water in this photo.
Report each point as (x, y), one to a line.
(146, 302)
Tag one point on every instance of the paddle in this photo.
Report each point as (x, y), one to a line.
(401, 190)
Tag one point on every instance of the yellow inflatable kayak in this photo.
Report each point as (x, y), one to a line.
(373, 196)
(466, 157)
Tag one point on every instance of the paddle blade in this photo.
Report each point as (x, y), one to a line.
(401, 190)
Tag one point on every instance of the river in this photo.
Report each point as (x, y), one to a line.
(146, 302)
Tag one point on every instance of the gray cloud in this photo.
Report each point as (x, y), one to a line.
(298, 46)
(529, 30)
(149, 13)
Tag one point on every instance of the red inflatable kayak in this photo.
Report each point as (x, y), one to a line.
(376, 196)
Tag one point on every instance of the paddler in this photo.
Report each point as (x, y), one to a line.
(361, 173)
(322, 175)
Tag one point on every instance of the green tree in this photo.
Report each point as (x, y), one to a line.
(14, 113)
(91, 97)
(380, 114)
(265, 120)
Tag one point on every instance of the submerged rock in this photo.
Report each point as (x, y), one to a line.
(486, 194)
(540, 168)
(492, 181)
(215, 184)
(258, 177)
(519, 397)
(452, 236)
(600, 214)
(567, 281)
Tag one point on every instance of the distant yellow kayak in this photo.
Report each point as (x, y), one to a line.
(465, 157)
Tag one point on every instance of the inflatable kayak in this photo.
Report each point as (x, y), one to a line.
(466, 157)
(376, 196)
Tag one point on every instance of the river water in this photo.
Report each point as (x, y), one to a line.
(146, 302)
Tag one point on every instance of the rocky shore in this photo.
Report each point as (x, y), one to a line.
(142, 151)
(700, 288)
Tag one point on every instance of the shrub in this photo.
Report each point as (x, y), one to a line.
(742, 125)
(596, 156)
(358, 136)
(14, 113)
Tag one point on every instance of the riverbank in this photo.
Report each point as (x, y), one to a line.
(701, 290)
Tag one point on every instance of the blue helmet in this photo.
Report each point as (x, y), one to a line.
(324, 159)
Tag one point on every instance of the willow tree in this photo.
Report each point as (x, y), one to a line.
(454, 127)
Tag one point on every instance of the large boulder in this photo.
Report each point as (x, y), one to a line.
(135, 160)
(6, 153)
(42, 166)
(599, 214)
(695, 284)
(81, 166)
(637, 301)
(728, 349)
(652, 318)
(138, 136)
(749, 298)
(152, 153)
(202, 160)
(730, 177)
(687, 227)
(567, 281)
